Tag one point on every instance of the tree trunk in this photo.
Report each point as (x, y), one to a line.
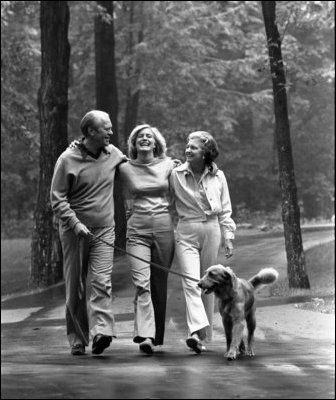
(133, 90)
(106, 83)
(46, 258)
(290, 209)
(131, 114)
(107, 97)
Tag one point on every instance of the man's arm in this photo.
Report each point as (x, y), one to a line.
(60, 189)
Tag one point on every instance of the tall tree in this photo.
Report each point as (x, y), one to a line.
(290, 209)
(135, 36)
(46, 260)
(106, 83)
(107, 96)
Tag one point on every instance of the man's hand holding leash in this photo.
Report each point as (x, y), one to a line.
(81, 230)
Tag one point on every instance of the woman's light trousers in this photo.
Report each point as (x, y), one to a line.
(197, 246)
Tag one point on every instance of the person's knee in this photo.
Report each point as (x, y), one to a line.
(101, 282)
(141, 290)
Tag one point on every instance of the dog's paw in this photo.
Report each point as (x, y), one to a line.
(250, 352)
(231, 355)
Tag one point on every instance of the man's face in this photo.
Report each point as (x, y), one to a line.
(102, 131)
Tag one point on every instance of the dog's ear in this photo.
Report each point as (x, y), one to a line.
(216, 273)
(214, 269)
(229, 270)
(230, 275)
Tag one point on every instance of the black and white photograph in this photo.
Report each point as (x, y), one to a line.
(167, 200)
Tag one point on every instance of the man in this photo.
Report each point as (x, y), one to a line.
(82, 200)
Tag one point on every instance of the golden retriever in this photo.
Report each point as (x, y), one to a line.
(236, 302)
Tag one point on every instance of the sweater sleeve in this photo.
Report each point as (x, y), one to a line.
(121, 175)
(121, 156)
(227, 224)
(172, 198)
(60, 187)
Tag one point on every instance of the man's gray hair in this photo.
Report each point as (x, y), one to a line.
(91, 119)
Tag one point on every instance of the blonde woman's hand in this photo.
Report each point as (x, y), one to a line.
(74, 144)
(177, 162)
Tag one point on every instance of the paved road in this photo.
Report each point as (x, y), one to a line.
(294, 348)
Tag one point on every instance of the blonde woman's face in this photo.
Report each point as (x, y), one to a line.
(145, 140)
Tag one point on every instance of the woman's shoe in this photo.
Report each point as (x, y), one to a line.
(147, 346)
(100, 342)
(194, 343)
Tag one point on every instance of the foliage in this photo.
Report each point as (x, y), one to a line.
(19, 123)
(195, 65)
(205, 66)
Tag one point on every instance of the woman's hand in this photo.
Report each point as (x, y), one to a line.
(228, 248)
(177, 162)
(74, 144)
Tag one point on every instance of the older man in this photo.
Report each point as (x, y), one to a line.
(82, 200)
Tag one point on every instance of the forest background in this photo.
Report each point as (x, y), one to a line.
(183, 66)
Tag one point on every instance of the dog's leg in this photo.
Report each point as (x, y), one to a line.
(251, 325)
(237, 334)
(227, 324)
(242, 349)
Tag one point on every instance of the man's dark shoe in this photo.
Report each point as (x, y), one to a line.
(100, 342)
(77, 349)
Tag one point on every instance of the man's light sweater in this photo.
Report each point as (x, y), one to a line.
(82, 187)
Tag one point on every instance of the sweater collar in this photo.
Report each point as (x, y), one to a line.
(85, 152)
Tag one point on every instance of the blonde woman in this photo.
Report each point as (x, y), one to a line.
(150, 233)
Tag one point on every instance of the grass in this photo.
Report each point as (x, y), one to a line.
(322, 285)
(15, 261)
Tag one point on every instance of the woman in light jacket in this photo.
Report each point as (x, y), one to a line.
(203, 206)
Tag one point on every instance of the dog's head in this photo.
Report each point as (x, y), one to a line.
(217, 278)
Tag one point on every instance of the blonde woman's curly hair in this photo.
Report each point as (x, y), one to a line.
(210, 145)
(160, 143)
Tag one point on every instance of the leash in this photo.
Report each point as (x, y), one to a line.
(141, 259)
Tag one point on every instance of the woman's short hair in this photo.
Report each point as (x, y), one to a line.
(210, 146)
(91, 119)
(160, 143)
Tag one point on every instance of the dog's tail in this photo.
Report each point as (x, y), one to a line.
(264, 277)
